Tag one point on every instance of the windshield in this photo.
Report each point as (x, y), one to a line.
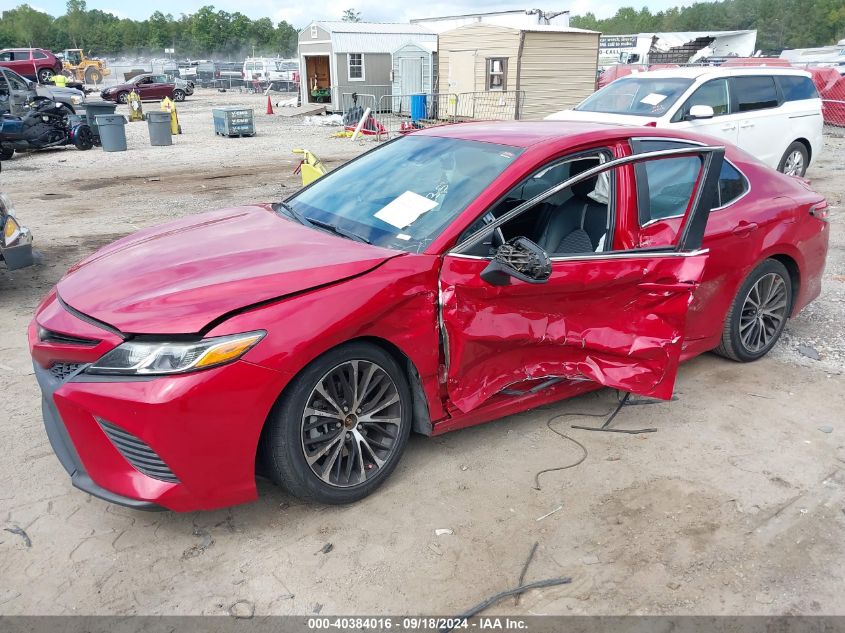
(404, 193)
(640, 96)
(287, 65)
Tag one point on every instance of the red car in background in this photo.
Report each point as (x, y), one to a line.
(148, 86)
(33, 63)
(450, 277)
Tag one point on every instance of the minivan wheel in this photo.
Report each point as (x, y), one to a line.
(341, 426)
(758, 313)
(795, 160)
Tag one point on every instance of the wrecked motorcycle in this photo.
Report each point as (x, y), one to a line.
(46, 124)
(15, 239)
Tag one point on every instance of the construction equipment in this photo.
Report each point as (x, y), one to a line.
(76, 65)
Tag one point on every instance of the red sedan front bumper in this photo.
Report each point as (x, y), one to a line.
(185, 442)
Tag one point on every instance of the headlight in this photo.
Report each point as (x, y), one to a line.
(76, 100)
(158, 358)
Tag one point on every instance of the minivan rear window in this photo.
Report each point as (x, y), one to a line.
(755, 93)
(797, 88)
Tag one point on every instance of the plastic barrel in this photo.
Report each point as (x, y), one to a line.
(417, 107)
(112, 132)
(93, 108)
(158, 124)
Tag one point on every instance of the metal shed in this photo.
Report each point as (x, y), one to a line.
(341, 58)
(554, 66)
(414, 72)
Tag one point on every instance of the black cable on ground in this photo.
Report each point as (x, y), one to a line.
(612, 415)
(525, 570)
(539, 584)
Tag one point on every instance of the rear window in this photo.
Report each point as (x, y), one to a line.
(755, 93)
(795, 88)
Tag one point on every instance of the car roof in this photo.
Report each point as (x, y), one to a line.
(520, 133)
(694, 72)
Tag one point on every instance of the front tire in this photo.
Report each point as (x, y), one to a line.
(758, 313)
(7, 152)
(93, 76)
(795, 160)
(84, 138)
(123, 97)
(341, 426)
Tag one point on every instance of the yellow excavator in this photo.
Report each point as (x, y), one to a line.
(77, 65)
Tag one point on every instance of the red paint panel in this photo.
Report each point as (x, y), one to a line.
(594, 319)
(177, 277)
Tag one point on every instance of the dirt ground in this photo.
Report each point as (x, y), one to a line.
(735, 506)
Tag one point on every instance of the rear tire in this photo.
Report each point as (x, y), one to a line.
(44, 75)
(179, 95)
(344, 455)
(758, 313)
(6, 153)
(795, 160)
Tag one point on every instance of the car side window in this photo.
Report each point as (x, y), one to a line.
(664, 187)
(16, 82)
(797, 88)
(575, 220)
(755, 93)
(713, 93)
(732, 184)
(38, 55)
(6, 56)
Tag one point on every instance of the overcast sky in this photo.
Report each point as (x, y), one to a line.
(301, 13)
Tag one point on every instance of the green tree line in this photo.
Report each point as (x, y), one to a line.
(206, 33)
(780, 23)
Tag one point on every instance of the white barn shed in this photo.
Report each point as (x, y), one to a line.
(414, 72)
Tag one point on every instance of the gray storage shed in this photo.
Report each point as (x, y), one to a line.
(414, 72)
(340, 58)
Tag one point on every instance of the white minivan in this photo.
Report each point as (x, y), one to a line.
(774, 114)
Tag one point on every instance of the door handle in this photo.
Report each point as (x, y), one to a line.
(744, 229)
(666, 286)
(744, 125)
(728, 128)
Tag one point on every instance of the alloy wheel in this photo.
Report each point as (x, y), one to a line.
(351, 423)
(794, 164)
(763, 312)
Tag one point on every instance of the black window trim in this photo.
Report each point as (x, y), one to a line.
(693, 143)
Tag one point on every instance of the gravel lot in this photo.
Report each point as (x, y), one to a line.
(734, 506)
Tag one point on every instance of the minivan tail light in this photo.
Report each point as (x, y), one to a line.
(820, 211)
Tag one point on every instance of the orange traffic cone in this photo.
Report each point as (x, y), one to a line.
(269, 105)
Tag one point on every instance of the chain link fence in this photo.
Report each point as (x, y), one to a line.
(394, 114)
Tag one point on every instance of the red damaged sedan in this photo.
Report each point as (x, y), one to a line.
(447, 278)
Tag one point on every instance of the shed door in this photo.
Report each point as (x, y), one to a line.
(461, 81)
(411, 75)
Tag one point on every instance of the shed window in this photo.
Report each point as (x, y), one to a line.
(356, 66)
(497, 68)
(314, 33)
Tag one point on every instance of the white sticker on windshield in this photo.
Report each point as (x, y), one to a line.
(405, 209)
(652, 99)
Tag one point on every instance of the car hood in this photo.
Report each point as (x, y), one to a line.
(179, 277)
(58, 91)
(601, 117)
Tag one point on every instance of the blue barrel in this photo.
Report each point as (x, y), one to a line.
(417, 107)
